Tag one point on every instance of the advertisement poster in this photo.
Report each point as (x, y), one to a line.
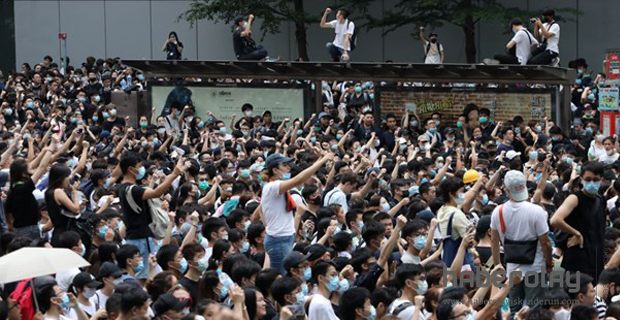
(223, 102)
(608, 99)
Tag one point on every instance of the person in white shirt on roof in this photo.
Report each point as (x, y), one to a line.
(340, 48)
(433, 50)
(519, 47)
(549, 32)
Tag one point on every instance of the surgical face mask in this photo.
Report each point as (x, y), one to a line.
(183, 265)
(286, 176)
(245, 247)
(360, 225)
(248, 113)
(562, 314)
(483, 120)
(246, 225)
(202, 264)
(420, 242)
(385, 207)
(533, 155)
(225, 236)
(422, 287)
(89, 292)
(343, 286)
(139, 268)
(161, 130)
(307, 273)
(105, 115)
(591, 187)
(432, 130)
(300, 298)
(223, 293)
(65, 303)
(141, 173)
(103, 230)
(485, 200)
(358, 89)
(83, 247)
(29, 104)
(332, 285)
(373, 313)
(113, 112)
(143, 124)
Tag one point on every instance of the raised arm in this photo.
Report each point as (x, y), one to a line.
(179, 169)
(286, 185)
(248, 27)
(324, 23)
(389, 247)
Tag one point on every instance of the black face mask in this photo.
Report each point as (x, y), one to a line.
(405, 193)
(316, 201)
(433, 40)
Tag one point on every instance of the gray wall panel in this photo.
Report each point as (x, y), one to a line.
(137, 29)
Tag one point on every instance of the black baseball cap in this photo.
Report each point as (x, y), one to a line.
(293, 260)
(85, 279)
(109, 269)
(315, 251)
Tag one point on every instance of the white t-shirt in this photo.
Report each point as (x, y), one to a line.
(609, 159)
(278, 221)
(524, 221)
(337, 196)
(100, 298)
(553, 43)
(321, 309)
(524, 42)
(407, 313)
(347, 27)
(433, 56)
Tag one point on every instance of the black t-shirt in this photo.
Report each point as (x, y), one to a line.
(137, 223)
(192, 288)
(242, 45)
(173, 50)
(22, 205)
(118, 122)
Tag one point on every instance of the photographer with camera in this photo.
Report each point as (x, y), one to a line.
(519, 47)
(548, 51)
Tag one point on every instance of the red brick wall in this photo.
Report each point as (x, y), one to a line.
(504, 106)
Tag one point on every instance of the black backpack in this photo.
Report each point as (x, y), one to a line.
(428, 48)
(353, 40)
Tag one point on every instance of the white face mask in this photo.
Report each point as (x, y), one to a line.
(89, 293)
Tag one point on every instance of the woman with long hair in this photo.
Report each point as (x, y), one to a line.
(255, 304)
(21, 208)
(173, 47)
(61, 205)
(210, 287)
(221, 250)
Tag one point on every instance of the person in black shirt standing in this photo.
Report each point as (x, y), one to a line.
(582, 217)
(173, 47)
(138, 232)
(245, 47)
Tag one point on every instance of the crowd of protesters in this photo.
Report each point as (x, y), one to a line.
(340, 216)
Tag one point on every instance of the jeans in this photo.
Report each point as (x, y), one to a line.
(334, 52)
(542, 57)
(146, 246)
(523, 294)
(506, 59)
(277, 248)
(258, 54)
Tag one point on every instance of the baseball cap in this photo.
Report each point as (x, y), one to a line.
(324, 114)
(293, 259)
(85, 279)
(276, 159)
(109, 269)
(512, 154)
(516, 184)
(315, 251)
(167, 302)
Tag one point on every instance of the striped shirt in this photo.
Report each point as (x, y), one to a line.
(601, 307)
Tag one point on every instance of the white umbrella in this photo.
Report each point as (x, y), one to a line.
(35, 262)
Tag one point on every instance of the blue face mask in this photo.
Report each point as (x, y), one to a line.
(485, 200)
(300, 297)
(102, 231)
(589, 130)
(139, 268)
(183, 265)
(245, 247)
(338, 136)
(592, 187)
(538, 177)
(286, 176)
(8, 112)
(533, 155)
(591, 97)
(420, 242)
(424, 180)
(29, 104)
(313, 140)
(578, 82)
(223, 293)
(141, 173)
(343, 286)
(373, 313)
(105, 115)
(371, 96)
(95, 118)
(422, 287)
(202, 265)
(304, 289)
(65, 303)
(307, 273)
(432, 130)
(483, 120)
(332, 285)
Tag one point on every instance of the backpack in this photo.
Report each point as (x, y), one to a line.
(428, 48)
(353, 40)
(23, 296)
(159, 217)
(401, 307)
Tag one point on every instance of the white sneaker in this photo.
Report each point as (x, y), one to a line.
(490, 62)
(555, 62)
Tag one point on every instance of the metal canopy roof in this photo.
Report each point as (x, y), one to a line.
(472, 73)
